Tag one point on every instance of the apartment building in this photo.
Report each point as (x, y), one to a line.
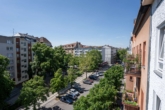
(85, 49)
(156, 76)
(108, 52)
(18, 49)
(7, 49)
(136, 73)
(69, 48)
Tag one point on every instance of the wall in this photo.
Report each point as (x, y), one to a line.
(140, 38)
(4, 52)
(156, 83)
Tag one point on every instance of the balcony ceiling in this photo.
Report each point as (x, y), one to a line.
(146, 2)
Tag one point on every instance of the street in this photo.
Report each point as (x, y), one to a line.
(65, 106)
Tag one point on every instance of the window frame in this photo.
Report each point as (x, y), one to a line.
(161, 33)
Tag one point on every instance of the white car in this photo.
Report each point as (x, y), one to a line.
(74, 92)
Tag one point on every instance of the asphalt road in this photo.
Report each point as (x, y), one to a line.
(65, 106)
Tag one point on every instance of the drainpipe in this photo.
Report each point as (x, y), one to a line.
(149, 49)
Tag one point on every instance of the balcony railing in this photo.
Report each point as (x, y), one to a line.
(134, 70)
(129, 101)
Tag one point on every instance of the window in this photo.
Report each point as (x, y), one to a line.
(24, 49)
(130, 78)
(160, 50)
(11, 48)
(17, 55)
(144, 52)
(21, 42)
(17, 49)
(24, 43)
(11, 61)
(7, 48)
(9, 55)
(24, 55)
(9, 42)
(158, 103)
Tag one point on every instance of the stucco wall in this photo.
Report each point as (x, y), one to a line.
(143, 36)
(156, 83)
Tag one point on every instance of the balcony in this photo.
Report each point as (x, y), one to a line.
(133, 66)
(134, 71)
(130, 101)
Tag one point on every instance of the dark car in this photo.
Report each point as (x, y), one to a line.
(80, 90)
(93, 77)
(71, 96)
(56, 108)
(86, 81)
(66, 99)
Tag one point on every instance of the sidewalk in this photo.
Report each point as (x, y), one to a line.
(53, 96)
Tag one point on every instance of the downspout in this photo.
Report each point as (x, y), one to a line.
(149, 53)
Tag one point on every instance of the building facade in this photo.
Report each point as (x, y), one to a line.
(7, 49)
(70, 48)
(18, 49)
(136, 74)
(156, 77)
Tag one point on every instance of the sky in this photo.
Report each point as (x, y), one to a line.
(91, 22)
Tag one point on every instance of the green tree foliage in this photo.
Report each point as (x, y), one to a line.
(121, 54)
(114, 75)
(71, 75)
(6, 83)
(95, 59)
(61, 57)
(44, 61)
(33, 91)
(100, 97)
(103, 95)
(74, 60)
(58, 82)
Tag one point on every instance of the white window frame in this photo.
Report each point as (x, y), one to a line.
(160, 48)
(9, 42)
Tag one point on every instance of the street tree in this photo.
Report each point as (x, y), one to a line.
(33, 91)
(71, 75)
(62, 57)
(44, 61)
(114, 76)
(58, 82)
(6, 83)
(121, 54)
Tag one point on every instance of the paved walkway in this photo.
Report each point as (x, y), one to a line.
(53, 96)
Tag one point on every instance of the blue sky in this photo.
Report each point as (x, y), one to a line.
(91, 22)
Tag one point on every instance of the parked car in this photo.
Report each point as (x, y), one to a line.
(72, 96)
(96, 74)
(74, 92)
(93, 77)
(66, 99)
(86, 81)
(56, 108)
(90, 80)
(100, 73)
(80, 90)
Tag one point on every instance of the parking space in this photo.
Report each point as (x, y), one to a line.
(65, 106)
(86, 87)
